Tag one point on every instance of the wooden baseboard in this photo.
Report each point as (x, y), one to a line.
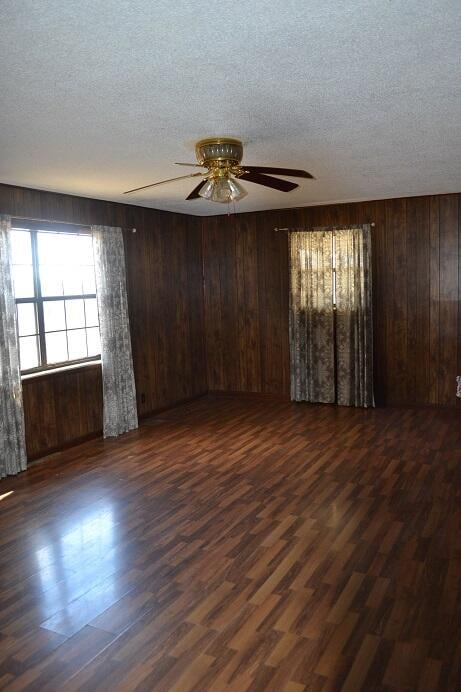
(66, 445)
(277, 396)
(174, 404)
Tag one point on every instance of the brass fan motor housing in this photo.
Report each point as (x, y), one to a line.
(222, 157)
(219, 153)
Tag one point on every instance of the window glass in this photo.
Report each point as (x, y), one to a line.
(23, 281)
(53, 248)
(27, 323)
(73, 285)
(93, 341)
(56, 347)
(28, 352)
(21, 248)
(76, 340)
(55, 317)
(75, 314)
(51, 281)
(88, 279)
(91, 312)
(54, 284)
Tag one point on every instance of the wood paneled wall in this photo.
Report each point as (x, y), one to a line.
(165, 301)
(164, 283)
(240, 320)
(61, 408)
(246, 303)
(417, 293)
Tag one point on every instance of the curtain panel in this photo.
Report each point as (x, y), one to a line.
(331, 323)
(354, 317)
(311, 317)
(12, 437)
(119, 391)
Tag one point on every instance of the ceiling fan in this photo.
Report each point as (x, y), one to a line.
(221, 157)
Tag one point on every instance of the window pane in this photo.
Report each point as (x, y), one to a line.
(53, 312)
(21, 248)
(28, 352)
(83, 249)
(69, 247)
(46, 250)
(51, 280)
(56, 347)
(23, 281)
(91, 312)
(64, 248)
(75, 315)
(66, 269)
(66, 257)
(73, 281)
(76, 340)
(89, 285)
(26, 319)
(94, 344)
(50, 248)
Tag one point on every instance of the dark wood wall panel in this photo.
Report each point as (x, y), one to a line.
(434, 301)
(62, 408)
(165, 300)
(246, 304)
(165, 296)
(417, 292)
(449, 294)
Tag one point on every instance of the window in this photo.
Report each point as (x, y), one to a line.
(55, 291)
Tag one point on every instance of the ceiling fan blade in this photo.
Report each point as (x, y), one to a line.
(162, 182)
(268, 181)
(197, 165)
(294, 172)
(195, 192)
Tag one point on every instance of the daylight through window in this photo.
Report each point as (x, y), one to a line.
(54, 285)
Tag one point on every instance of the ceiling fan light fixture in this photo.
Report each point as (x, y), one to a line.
(219, 149)
(207, 189)
(236, 190)
(222, 190)
(222, 157)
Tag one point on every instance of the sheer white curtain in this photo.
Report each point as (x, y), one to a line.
(119, 392)
(12, 439)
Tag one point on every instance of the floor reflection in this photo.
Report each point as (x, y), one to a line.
(76, 560)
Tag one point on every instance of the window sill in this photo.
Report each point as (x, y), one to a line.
(62, 369)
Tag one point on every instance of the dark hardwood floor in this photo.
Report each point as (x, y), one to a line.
(238, 544)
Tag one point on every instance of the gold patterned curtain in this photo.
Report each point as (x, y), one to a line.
(354, 319)
(311, 317)
(331, 326)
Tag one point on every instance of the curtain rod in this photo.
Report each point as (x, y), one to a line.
(323, 228)
(66, 223)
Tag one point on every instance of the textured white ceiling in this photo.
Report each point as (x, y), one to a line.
(99, 97)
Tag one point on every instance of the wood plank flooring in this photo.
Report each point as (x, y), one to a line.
(238, 544)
